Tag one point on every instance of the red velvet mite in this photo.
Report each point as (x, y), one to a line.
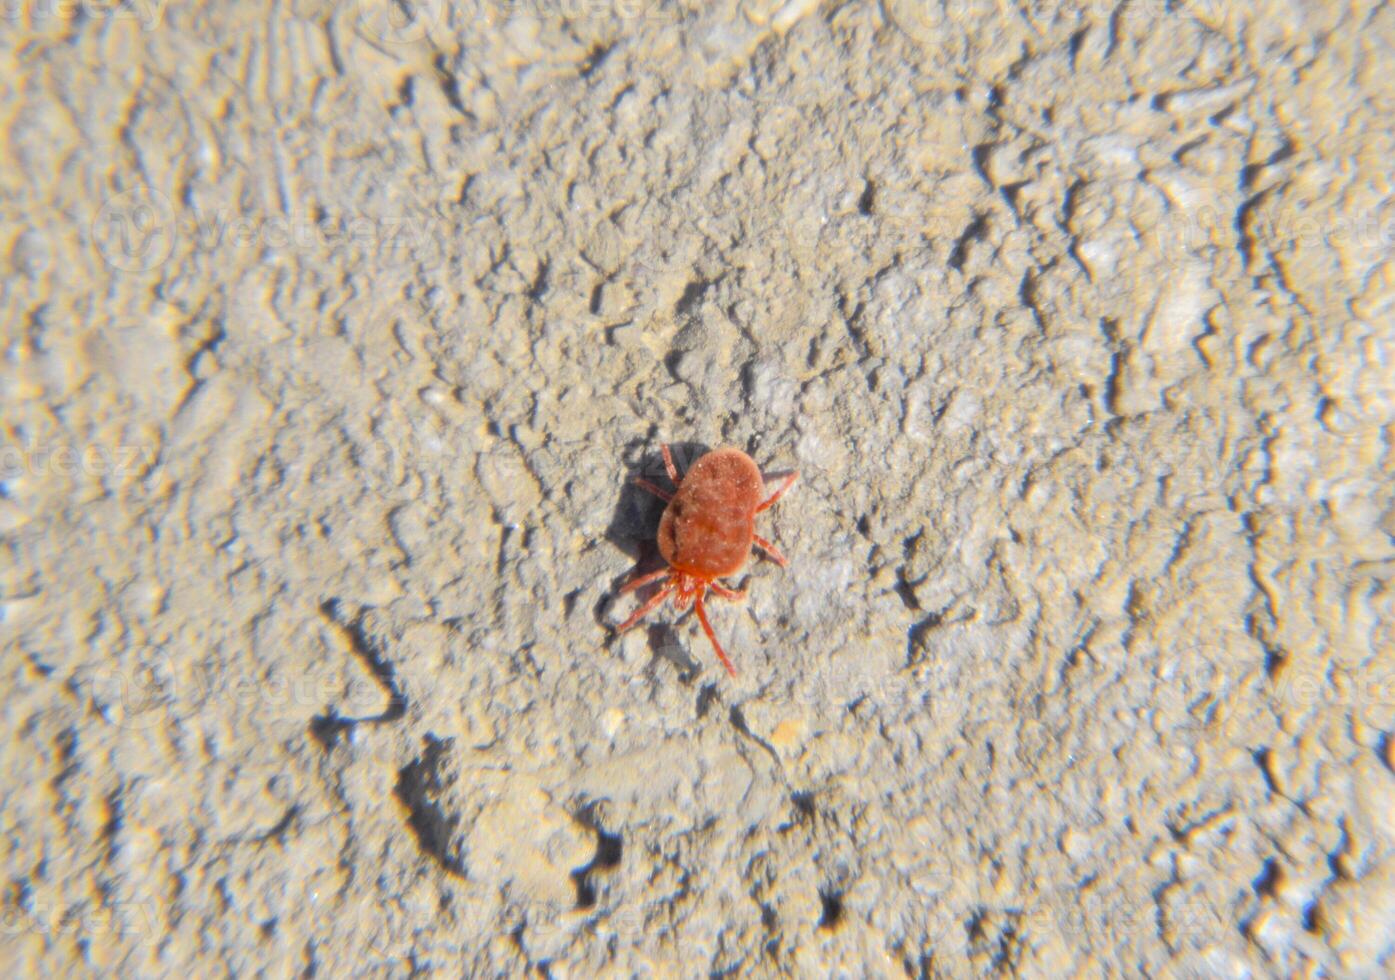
(707, 532)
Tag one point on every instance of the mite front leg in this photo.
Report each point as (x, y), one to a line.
(644, 484)
(668, 465)
(643, 580)
(789, 482)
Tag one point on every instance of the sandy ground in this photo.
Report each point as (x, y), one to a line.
(333, 332)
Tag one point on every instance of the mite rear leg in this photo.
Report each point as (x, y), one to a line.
(707, 628)
(770, 550)
(645, 609)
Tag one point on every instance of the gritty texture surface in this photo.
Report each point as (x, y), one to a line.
(332, 335)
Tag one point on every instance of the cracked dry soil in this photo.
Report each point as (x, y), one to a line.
(333, 332)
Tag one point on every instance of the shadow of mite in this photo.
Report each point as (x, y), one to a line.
(634, 523)
(664, 646)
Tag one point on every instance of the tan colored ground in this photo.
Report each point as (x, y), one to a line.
(331, 337)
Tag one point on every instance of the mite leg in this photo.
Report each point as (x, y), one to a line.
(635, 583)
(707, 628)
(733, 594)
(645, 609)
(770, 550)
(644, 484)
(789, 482)
(668, 465)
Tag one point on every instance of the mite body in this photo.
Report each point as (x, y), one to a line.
(707, 532)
